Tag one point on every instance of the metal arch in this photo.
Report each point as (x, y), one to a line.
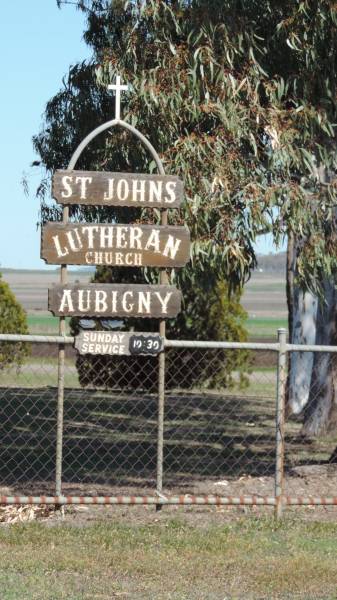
(162, 325)
(108, 125)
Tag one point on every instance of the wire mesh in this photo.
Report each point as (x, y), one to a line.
(311, 426)
(27, 419)
(219, 430)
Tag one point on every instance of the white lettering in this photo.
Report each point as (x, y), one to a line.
(90, 235)
(83, 182)
(153, 241)
(100, 301)
(155, 191)
(107, 234)
(129, 258)
(135, 235)
(71, 240)
(66, 186)
(122, 190)
(138, 190)
(99, 258)
(164, 302)
(108, 258)
(83, 307)
(114, 302)
(109, 195)
(172, 247)
(127, 307)
(59, 250)
(170, 190)
(120, 237)
(144, 302)
(66, 302)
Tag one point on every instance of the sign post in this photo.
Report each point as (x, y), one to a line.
(140, 245)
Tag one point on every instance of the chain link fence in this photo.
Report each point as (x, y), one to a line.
(311, 434)
(221, 440)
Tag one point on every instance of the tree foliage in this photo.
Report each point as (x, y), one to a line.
(239, 98)
(12, 320)
(243, 98)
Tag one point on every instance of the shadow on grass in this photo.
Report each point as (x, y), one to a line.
(110, 438)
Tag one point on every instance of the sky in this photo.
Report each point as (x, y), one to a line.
(38, 43)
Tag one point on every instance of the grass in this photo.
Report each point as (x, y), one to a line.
(264, 328)
(257, 327)
(45, 324)
(171, 560)
(38, 372)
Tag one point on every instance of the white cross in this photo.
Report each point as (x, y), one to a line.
(118, 88)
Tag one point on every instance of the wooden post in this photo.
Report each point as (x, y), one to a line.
(60, 382)
(161, 388)
(280, 422)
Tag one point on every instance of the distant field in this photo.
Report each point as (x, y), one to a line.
(257, 327)
(265, 328)
(264, 300)
(45, 324)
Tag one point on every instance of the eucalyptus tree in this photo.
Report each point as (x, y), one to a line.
(239, 97)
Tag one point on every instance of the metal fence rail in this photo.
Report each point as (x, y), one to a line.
(225, 438)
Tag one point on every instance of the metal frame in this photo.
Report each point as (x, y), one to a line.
(162, 326)
(58, 339)
(279, 500)
(183, 500)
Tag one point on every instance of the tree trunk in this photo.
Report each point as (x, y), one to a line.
(302, 311)
(312, 377)
(322, 397)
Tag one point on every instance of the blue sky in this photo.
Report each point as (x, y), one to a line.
(38, 42)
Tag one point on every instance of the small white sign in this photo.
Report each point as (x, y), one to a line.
(118, 343)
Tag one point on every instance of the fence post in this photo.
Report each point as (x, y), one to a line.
(163, 278)
(160, 425)
(59, 420)
(60, 380)
(280, 421)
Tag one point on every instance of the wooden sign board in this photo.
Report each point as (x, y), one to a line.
(115, 245)
(114, 300)
(118, 343)
(97, 188)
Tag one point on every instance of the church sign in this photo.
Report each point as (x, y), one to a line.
(117, 189)
(114, 300)
(118, 343)
(115, 245)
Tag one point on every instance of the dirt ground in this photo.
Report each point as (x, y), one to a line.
(313, 480)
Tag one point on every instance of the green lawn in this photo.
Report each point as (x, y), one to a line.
(170, 560)
(257, 327)
(264, 328)
(44, 324)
